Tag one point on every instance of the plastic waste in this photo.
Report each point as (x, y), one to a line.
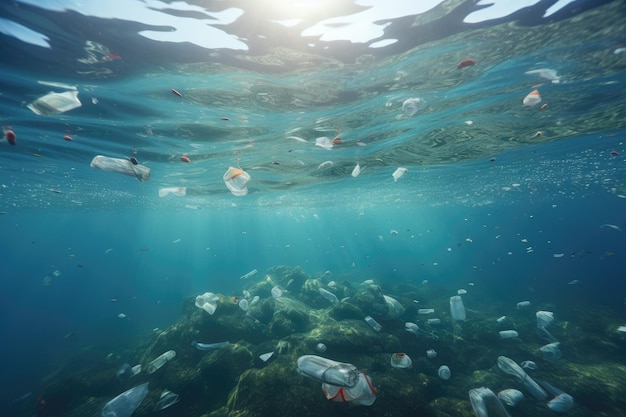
(179, 191)
(324, 142)
(363, 393)
(394, 308)
(511, 367)
(55, 103)
(328, 295)
(529, 365)
(208, 302)
(523, 304)
(401, 360)
(320, 347)
(545, 334)
(254, 300)
(508, 334)
(209, 346)
(121, 166)
(356, 171)
(561, 403)
(126, 403)
(433, 321)
(243, 304)
(236, 180)
(328, 371)
(444, 372)
(373, 323)
(412, 105)
(544, 318)
(167, 399)
(398, 173)
(124, 373)
(483, 399)
(532, 98)
(249, 274)
(551, 352)
(547, 73)
(136, 370)
(277, 292)
(457, 309)
(622, 331)
(266, 356)
(431, 353)
(160, 361)
(511, 397)
(501, 319)
(425, 311)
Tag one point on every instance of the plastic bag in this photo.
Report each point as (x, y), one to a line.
(236, 179)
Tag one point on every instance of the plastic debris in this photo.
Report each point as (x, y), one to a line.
(122, 166)
(426, 311)
(324, 142)
(266, 356)
(481, 397)
(532, 98)
(457, 309)
(160, 361)
(126, 403)
(523, 304)
(511, 367)
(328, 295)
(551, 352)
(444, 372)
(320, 347)
(9, 135)
(55, 103)
(401, 360)
(547, 73)
(356, 171)
(208, 302)
(236, 180)
(243, 304)
(363, 393)
(431, 353)
(373, 323)
(433, 321)
(398, 173)
(209, 346)
(561, 403)
(468, 62)
(508, 334)
(167, 399)
(276, 292)
(249, 274)
(329, 371)
(412, 105)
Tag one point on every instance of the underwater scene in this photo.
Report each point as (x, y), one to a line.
(229, 208)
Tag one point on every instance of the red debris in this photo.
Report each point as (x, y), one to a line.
(466, 63)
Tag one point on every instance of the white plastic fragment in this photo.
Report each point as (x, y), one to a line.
(55, 103)
(532, 98)
(324, 142)
(356, 171)
(122, 166)
(178, 191)
(236, 180)
(398, 173)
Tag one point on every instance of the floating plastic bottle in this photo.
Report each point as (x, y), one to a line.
(126, 403)
(511, 397)
(373, 323)
(254, 300)
(356, 171)
(160, 361)
(411, 106)
(363, 393)
(457, 309)
(167, 399)
(431, 353)
(401, 360)
(328, 371)
(208, 302)
(243, 304)
(425, 311)
(444, 372)
(394, 308)
(528, 365)
(328, 295)
(276, 292)
(320, 347)
(178, 191)
(55, 103)
(481, 397)
(544, 318)
(249, 274)
(508, 334)
(236, 180)
(511, 367)
(121, 166)
(523, 304)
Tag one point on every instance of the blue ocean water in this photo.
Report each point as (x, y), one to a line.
(507, 201)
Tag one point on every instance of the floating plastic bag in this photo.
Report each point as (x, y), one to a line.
(457, 309)
(126, 403)
(236, 179)
(208, 302)
(363, 393)
(55, 103)
(412, 105)
(179, 191)
(532, 98)
(122, 166)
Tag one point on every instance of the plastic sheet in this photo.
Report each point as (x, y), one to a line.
(55, 103)
(363, 393)
(236, 180)
(328, 371)
(122, 166)
(126, 403)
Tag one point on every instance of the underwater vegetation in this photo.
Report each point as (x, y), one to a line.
(242, 359)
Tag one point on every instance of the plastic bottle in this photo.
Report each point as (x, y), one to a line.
(160, 361)
(457, 309)
(328, 371)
